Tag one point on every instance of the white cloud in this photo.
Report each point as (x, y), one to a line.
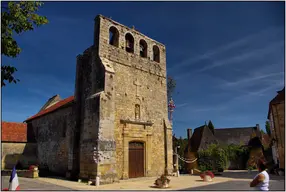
(256, 53)
(243, 41)
(247, 81)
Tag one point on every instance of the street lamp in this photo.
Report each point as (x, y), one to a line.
(177, 160)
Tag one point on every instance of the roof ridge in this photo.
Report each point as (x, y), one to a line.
(235, 128)
(52, 108)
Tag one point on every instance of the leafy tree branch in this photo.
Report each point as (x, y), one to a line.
(16, 18)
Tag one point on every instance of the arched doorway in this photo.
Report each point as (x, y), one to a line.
(136, 159)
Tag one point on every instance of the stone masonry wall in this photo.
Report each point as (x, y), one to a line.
(279, 124)
(137, 81)
(25, 153)
(54, 135)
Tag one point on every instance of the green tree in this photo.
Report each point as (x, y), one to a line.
(267, 128)
(211, 126)
(182, 143)
(16, 18)
(171, 85)
(212, 158)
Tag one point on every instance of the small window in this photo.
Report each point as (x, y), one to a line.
(137, 111)
(113, 36)
(143, 48)
(156, 54)
(129, 47)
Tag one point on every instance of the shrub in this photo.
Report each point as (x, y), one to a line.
(162, 179)
(212, 158)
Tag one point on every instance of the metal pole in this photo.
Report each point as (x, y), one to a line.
(177, 161)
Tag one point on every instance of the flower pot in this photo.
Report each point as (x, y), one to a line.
(207, 178)
(165, 185)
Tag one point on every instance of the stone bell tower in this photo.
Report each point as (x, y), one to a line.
(121, 97)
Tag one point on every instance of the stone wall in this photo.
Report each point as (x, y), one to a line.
(54, 135)
(278, 111)
(25, 153)
(136, 81)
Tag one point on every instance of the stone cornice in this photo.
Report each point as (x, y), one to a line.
(127, 121)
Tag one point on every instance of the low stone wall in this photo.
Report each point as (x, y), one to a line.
(22, 173)
(24, 153)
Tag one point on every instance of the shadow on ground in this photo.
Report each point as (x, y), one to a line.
(245, 175)
(236, 185)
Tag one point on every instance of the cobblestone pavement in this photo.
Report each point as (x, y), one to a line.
(229, 180)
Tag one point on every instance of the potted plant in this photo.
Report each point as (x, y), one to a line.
(162, 182)
(207, 176)
(33, 168)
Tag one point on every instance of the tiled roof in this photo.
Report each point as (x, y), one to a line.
(201, 139)
(52, 108)
(235, 136)
(14, 132)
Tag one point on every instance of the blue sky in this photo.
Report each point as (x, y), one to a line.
(227, 57)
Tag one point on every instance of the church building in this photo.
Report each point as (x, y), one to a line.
(116, 125)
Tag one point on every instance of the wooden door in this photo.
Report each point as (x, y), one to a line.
(136, 159)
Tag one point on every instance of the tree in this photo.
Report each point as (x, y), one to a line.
(16, 18)
(267, 128)
(211, 126)
(262, 131)
(171, 85)
(183, 143)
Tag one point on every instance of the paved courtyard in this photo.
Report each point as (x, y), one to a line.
(229, 180)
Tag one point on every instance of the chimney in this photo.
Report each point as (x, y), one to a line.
(189, 133)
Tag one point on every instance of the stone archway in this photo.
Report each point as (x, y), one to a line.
(136, 159)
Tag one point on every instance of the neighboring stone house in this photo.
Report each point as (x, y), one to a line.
(276, 116)
(116, 125)
(18, 146)
(199, 140)
(203, 137)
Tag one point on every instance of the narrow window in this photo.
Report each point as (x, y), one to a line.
(129, 43)
(156, 54)
(113, 36)
(143, 48)
(137, 111)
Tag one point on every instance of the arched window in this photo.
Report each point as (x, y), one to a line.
(143, 48)
(129, 47)
(137, 111)
(156, 54)
(113, 36)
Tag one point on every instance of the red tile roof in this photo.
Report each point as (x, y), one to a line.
(14, 132)
(52, 108)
